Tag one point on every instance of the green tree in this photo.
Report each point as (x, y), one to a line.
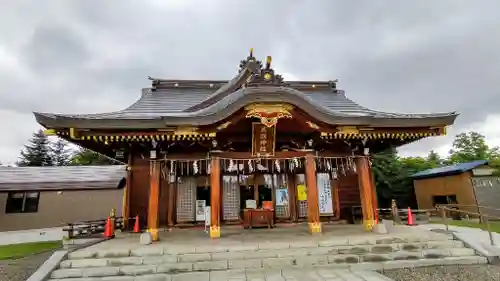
(391, 179)
(37, 152)
(434, 159)
(469, 147)
(60, 152)
(86, 157)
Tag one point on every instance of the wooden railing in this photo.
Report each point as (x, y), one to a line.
(397, 215)
(445, 212)
(91, 228)
(484, 219)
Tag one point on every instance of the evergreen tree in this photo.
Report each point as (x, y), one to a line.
(60, 152)
(86, 157)
(434, 159)
(37, 152)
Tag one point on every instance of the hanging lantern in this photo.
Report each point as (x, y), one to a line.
(277, 164)
(231, 166)
(195, 167)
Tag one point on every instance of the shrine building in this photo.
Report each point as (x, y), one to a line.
(258, 150)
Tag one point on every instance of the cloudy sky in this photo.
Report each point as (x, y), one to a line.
(405, 56)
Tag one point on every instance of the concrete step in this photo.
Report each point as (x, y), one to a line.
(322, 251)
(246, 275)
(137, 273)
(149, 260)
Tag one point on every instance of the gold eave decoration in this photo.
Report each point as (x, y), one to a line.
(268, 114)
(312, 125)
(348, 129)
(50, 132)
(185, 131)
(223, 125)
(150, 137)
(377, 135)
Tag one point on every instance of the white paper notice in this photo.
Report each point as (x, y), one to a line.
(324, 194)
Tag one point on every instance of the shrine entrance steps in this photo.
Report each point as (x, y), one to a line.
(346, 249)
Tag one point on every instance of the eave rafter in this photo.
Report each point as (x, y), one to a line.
(353, 132)
(179, 134)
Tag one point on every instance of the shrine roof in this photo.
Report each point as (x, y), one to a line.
(204, 102)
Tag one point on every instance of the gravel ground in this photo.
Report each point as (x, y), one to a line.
(21, 269)
(447, 273)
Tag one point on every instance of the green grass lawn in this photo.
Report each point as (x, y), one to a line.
(25, 249)
(495, 225)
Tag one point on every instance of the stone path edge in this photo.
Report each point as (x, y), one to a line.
(480, 250)
(44, 271)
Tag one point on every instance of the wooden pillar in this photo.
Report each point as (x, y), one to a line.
(366, 192)
(374, 196)
(312, 195)
(215, 195)
(154, 198)
(126, 193)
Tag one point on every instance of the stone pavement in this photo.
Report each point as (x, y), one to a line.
(310, 274)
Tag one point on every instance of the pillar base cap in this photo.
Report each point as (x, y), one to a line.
(154, 234)
(214, 231)
(315, 227)
(369, 225)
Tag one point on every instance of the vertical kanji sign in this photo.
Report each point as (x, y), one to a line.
(263, 140)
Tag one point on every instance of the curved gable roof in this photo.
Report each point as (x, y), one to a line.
(173, 107)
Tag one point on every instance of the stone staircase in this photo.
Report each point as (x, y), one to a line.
(160, 262)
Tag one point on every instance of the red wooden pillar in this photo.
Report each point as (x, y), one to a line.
(374, 194)
(366, 192)
(154, 198)
(215, 196)
(312, 195)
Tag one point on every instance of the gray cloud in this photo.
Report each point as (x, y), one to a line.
(91, 56)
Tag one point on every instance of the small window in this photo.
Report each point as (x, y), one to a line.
(22, 202)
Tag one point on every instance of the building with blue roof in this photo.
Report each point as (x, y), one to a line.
(471, 183)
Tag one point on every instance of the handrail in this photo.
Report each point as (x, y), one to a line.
(470, 206)
(443, 209)
(483, 219)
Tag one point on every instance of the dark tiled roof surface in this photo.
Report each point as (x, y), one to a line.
(174, 102)
(63, 177)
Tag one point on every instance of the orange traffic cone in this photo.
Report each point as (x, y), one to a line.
(411, 221)
(108, 230)
(136, 225)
